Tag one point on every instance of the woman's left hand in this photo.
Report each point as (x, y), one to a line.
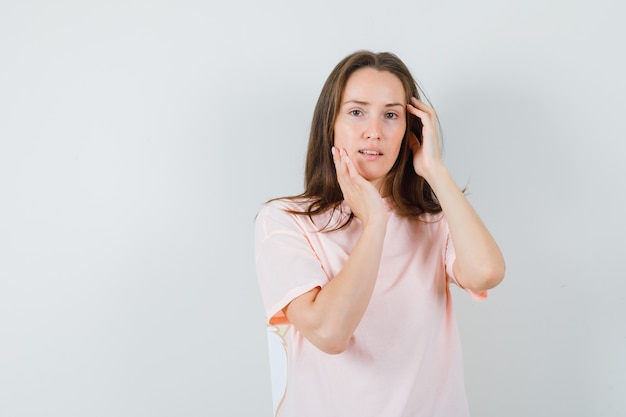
(427, 156)
(479, 264)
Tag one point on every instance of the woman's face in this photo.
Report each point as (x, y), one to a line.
(371, 122)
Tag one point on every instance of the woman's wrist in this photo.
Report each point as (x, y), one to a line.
(434, 173)
(376, 225)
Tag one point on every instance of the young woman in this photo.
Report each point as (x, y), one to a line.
(359, 264)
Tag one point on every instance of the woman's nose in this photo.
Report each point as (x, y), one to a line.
(373, 130)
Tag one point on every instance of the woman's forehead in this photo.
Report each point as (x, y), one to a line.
(369, 85)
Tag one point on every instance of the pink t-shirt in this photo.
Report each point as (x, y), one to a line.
(405, 357)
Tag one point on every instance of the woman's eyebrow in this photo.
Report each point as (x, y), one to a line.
(365, 103)
(359, 102)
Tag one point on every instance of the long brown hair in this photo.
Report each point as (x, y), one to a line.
(410, 193)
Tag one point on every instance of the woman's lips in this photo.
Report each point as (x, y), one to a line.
(370, 154)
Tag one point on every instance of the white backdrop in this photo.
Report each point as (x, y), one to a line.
(138, 140)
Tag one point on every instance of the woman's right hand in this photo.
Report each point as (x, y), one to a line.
(328, 316)
(361, 196)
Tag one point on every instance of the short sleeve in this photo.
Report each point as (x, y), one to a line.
(450, 257)
(286, 263)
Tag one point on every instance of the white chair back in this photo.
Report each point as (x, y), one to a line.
(277, 340)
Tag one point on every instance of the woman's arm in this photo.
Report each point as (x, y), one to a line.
(328, 316)
(479, 263)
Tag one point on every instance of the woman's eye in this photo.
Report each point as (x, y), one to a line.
(356, 112)
(391, 116)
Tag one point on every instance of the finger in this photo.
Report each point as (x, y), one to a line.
(423, 115)
(344, 176)
(421, 110)
(419, 104)
(338, 160)
(341, 168)
(428, 120)
(349, 165)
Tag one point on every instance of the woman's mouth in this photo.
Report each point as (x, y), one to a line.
(370, 155)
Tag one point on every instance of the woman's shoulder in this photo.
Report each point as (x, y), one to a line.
(432, 218)
(303, 212)
(282, 209)
(431, 222)
(286, 204)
